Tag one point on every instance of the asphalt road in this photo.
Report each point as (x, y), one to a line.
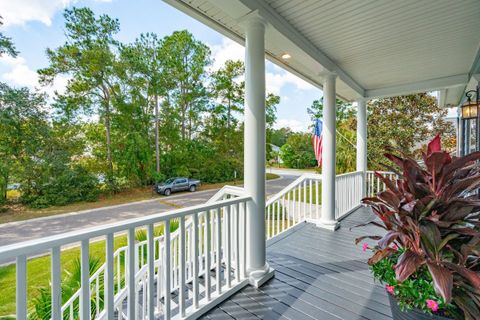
(41, 227)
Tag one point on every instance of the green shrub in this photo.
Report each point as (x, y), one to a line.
(71, 185)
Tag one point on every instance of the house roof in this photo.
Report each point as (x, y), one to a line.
(377, 48)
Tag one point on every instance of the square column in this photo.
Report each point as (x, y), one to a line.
(327, 220)
(254, 149)
(362, 140)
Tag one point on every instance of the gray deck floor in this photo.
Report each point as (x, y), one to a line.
(318, 275)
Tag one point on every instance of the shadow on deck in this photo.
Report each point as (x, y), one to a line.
(318, 275)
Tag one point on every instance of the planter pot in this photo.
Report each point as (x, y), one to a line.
(413, 314)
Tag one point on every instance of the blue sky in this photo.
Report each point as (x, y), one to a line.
(35, 25)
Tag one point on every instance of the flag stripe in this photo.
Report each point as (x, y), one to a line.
(317, 138)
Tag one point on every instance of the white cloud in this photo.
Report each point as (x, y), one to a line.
(19, 12)
(275, 81)
(227, 50)
(19, 74)
(294, 125)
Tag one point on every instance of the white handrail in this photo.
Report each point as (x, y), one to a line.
(219, 228)
(292, 185)
(171, 271)
(30, 247)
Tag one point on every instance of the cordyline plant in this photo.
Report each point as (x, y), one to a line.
(431, 217)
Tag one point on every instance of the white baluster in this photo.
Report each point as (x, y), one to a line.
(166, 259)
(244, 239)
(182, 267)
(237, 242)
(21, 289)
(151, 272)
(195, 261)
(56, 284)
(219, 252)
(207, 253)
(109, 276)
(228, 245)
(132, 288)
(85, 281)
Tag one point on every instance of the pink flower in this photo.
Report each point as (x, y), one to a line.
(432, 305)
(389, 288)
(395, 247)
(365, 247)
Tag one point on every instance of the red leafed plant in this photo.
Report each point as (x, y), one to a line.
(431, 214)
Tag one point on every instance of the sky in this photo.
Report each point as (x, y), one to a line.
(35, 25)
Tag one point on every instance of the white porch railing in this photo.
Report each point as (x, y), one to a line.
(298, 202)
(374, 184)
(182, 272)
(172, 273)
(349, 191)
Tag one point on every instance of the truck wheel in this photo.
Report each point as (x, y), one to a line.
(193, 188)
(167, 192)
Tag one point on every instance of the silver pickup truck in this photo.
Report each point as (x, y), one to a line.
(177, 184)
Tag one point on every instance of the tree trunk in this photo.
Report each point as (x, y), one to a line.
(3, 190)
(157, 143)
(108, 139)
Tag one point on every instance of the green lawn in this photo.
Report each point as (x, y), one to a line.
(300, 197)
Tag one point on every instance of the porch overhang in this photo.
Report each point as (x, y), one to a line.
(377, 49)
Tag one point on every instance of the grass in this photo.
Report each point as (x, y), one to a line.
(314, 194)
(18, 212)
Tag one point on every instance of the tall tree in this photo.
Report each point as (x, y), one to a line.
(405, 123)
(186, 60)
(228, 90)
(343, 110)
(23, 124)
(88, 57)
(144, 65)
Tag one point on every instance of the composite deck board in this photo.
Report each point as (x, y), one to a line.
(319, 275)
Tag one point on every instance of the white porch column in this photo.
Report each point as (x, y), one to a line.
(254, 149)
(362, 140)
(329, 158)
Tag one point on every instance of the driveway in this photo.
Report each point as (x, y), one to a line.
(14, 232)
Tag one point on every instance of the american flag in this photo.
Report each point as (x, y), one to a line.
(317, 141)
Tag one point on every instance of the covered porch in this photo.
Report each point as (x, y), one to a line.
(219, 259)
(318, 275)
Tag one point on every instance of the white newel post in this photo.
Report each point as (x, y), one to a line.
(254, 149)
(329, 147)
(362, 141)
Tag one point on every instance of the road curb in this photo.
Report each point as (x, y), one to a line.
(73, 213)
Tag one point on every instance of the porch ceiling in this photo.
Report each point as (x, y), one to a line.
(377, 48)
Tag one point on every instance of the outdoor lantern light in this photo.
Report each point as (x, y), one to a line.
(470, 107)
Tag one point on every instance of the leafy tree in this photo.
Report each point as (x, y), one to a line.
(88, 57)
(6, 44)
(143, 68)
(279, 137)
(228, 90)
(405, 123)
(22, 131)
(343, 110)
(186, 60)
(297, 152)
